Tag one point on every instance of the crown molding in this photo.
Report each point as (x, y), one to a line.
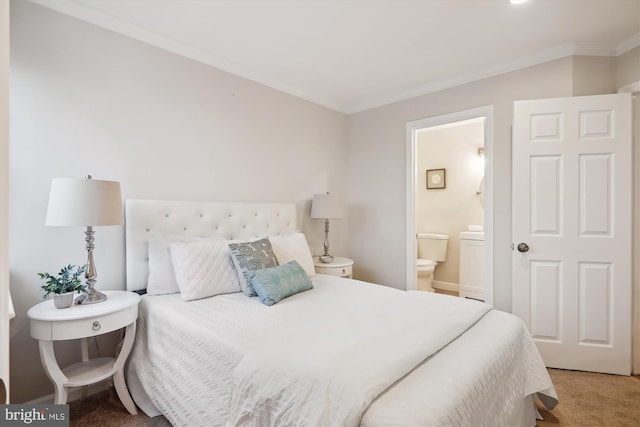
(595, 49)
(627, 44)
(544, 56)
(632, 88)
(559, 52)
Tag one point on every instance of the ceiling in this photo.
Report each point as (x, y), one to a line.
(353, 55)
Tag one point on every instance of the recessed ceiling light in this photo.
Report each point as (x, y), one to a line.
(517, 1)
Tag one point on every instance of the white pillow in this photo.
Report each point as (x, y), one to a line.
(293, 246)
(162, 279)
(204, 269)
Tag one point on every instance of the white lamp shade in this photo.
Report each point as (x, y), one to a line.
(326, 206)
(84, 202)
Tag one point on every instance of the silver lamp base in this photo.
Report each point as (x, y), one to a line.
(327, 259)
(91, 297)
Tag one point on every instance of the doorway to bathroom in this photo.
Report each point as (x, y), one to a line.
(449, 191)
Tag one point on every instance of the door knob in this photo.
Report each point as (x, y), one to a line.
(523, 247)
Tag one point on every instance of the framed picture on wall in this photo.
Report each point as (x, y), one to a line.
(436, 178)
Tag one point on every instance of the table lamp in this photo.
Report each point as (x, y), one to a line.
(85, 203)
(326, 206)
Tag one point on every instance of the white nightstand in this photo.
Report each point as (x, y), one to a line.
(49, 324)
(340, 266)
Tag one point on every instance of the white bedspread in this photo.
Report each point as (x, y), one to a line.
(325, 369)
(201, 362)
(488, 377)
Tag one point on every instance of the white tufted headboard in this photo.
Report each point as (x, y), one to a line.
(202, 219)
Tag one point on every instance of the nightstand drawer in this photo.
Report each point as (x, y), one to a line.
(345, 271)
(83, 328)
(341, 271)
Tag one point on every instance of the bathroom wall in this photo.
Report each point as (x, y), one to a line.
(448, 211)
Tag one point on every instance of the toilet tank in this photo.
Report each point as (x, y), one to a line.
(432, 246)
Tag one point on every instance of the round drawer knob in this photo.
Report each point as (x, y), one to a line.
(344, 270)
(96, 326)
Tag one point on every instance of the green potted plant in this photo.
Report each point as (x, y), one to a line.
(63, 285)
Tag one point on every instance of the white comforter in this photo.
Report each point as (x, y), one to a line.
(320, 357)
(324, 370)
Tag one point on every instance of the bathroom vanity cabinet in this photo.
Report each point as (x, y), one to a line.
(472, 265)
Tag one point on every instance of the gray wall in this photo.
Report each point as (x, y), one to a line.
(627, 68)
(85, 100)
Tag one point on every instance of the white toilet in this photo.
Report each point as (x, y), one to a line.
(432, 249)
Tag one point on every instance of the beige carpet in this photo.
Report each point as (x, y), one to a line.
(593, 400)
(586, 400)
(105, 410)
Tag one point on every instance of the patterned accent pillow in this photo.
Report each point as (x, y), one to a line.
(277, 283)
(249, 257)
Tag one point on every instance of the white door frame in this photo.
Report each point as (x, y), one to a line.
(634, 89)
(411, 137)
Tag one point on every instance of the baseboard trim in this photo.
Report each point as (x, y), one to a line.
(445, 286)
(74, 394)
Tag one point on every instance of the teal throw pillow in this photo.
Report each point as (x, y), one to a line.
(276, 283)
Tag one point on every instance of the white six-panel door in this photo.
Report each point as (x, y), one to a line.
(572, 229)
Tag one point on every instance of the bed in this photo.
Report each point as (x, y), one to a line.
(340, 353)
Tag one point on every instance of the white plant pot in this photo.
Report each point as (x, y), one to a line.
(63, 300)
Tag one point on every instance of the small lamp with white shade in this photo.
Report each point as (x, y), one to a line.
(326, 206)
(85, 203)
